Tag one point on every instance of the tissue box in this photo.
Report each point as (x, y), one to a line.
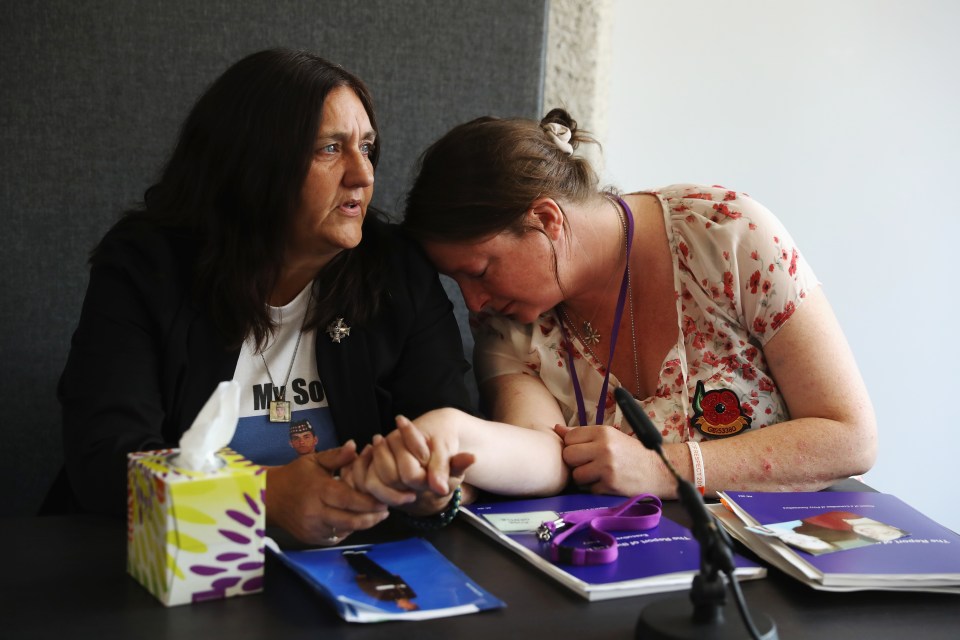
(195, 536)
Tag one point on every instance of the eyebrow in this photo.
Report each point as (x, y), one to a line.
(342, 136)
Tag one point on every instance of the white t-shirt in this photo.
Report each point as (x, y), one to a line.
(257, 438)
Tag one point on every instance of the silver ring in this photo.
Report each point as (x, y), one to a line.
(333, 535)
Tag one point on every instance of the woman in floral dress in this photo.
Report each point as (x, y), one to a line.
(693, 298)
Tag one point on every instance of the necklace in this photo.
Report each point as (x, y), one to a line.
(586, 343)
(633, 335)
(590, 336)
(633, 325)
(279, 407)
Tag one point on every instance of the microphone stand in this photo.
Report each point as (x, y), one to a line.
(671, 617)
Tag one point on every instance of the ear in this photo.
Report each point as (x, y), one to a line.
(545, 214)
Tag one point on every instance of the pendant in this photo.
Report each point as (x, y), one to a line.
(590, 335)
(338, 330)
(280, 411)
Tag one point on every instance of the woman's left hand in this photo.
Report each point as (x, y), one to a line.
(606, 460)
(306, 498)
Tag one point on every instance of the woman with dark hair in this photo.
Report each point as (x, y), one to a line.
(694, 299)
(256, 258)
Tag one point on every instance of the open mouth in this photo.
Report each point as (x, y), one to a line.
(352, 207)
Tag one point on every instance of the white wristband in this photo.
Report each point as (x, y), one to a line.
(699, 477)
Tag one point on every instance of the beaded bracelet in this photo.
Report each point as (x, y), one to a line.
(439, 520)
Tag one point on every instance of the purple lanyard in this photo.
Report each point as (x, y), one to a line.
(636, 514)
(621, 300)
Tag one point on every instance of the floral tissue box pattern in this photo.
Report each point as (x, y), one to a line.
(195, 536)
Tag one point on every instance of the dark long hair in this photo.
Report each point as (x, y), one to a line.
(234, 180)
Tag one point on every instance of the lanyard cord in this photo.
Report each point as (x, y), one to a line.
(578, 392)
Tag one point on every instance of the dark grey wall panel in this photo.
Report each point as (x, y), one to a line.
(93, 93)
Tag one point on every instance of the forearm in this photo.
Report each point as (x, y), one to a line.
(510, 460)
(833, 432)
(806, 454)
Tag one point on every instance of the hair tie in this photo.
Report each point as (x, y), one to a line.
(560, 135)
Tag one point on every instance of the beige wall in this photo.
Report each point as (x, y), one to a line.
(579, 52)
(841, 117)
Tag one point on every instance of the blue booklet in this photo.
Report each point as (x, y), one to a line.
(845, 541)
(404, 580)
(665, 558)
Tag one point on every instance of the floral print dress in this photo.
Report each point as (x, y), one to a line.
(738, 277)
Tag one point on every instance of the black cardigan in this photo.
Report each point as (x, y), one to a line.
(145, 357)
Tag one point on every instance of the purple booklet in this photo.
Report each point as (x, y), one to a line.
(846, 540)
(665, 558)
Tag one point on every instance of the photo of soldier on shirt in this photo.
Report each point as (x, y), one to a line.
(303, 439)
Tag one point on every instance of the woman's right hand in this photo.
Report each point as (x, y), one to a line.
(308, 500)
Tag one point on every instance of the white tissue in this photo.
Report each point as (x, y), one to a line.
(212, 429)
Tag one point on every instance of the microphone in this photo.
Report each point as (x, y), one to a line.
(671, 618)
(648, 434)
(691, 499)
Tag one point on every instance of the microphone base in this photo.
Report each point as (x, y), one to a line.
(672, 618)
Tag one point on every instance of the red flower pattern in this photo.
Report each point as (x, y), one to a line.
(730, 296)
(759, 326)
(727, 211)
(754, 281)
(699, 341)
(783, 316)
(728, 284)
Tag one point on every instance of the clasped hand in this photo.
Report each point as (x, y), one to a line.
(307, 498)
(415, 468)
(324, 497)
(605, 460)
